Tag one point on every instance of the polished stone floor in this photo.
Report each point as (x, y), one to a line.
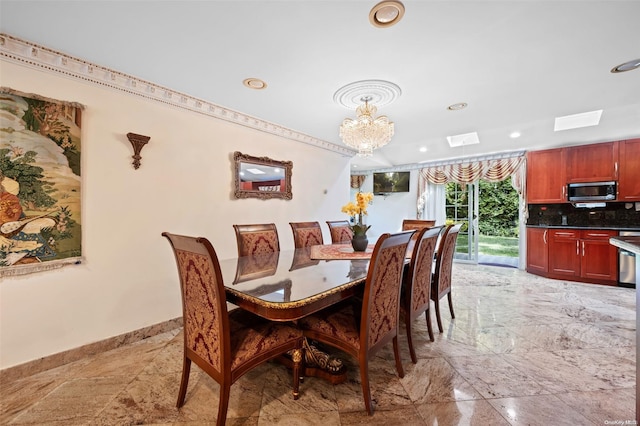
(523, 350)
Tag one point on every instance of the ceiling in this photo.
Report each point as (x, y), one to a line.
(517, 64)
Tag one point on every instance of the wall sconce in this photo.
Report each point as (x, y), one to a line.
(137, 141)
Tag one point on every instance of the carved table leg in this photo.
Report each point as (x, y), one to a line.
(318, 363)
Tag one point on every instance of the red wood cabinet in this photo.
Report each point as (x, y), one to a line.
(564, 256)
(629, 173)
(592, 163)
(537, 251)
(577, 255)
(546, 182)
(599, 260)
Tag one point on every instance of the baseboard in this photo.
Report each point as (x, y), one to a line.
(62, 358)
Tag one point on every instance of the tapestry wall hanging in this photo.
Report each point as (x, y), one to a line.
(40, 225)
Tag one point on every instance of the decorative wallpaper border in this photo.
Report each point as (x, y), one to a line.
(35, 56)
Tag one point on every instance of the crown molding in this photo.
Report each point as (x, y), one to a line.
(15, 50)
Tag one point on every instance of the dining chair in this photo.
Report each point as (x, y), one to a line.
(417, 224)
(442, 276)
(224, 344)
(417, 282)
(340, 231)
(257, 239)
(363, 329)
(306, 234)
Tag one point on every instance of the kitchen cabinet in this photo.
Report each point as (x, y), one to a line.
(582, 255)
(599, 259)
(537, 251)
(592, 163)
(629, 174)
(564, 252)
(546, 181)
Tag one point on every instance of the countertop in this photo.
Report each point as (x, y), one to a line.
(604, 228)
(631, 244)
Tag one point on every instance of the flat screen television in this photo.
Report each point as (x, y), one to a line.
(386, 183)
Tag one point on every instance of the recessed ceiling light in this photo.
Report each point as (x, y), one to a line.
(577, 121)
(514, 135)
(386, 13)
(423, 149)
(627, 66)
(255, 83)
(464, 139)
(458, 106)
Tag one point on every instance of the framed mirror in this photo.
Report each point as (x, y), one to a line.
(262, 177)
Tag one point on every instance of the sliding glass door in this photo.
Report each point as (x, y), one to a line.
(462, 207)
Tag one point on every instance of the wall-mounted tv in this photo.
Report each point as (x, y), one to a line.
(385, 183)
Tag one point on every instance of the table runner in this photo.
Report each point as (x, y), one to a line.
(340, 251)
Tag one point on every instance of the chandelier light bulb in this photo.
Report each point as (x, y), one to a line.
(366, 133)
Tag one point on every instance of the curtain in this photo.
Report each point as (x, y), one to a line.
(357, 181)
(492, 170)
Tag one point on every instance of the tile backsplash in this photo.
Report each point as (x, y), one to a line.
(623, 215)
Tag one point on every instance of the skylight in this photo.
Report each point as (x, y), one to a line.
(464, 139)
(577, 121)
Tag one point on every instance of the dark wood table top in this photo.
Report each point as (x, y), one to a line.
(289, 285)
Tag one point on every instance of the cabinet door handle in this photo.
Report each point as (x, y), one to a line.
(577, 248)
(563, 192)
(615, 168)
(583, 249)
(544, 236)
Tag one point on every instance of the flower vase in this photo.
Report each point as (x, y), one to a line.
(359, 242)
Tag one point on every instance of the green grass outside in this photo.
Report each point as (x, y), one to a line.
(495, 246)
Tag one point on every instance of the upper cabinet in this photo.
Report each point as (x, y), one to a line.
(549, 171)
(546, 182)
(592, 163)
(629, 173)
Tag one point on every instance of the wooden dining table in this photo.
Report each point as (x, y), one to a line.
(289, 285)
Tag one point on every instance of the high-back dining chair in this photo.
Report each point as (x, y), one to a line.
(417, 224)
(442, 275)
(225, 345)
(340, 231)
(306, 234)
(362, 330)
(417, 282)
(257, 239)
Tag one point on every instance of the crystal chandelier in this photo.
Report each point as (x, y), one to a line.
(366, 133)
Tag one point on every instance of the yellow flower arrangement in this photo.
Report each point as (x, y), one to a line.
(357, 210)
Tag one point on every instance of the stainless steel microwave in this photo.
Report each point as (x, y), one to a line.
(592, 191)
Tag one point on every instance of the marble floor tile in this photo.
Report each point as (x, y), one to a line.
(539, 410)
(474, 413)
(522, 350)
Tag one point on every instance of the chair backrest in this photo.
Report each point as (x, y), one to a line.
(340, 231)
(257, 239)
(306, 234)
(417, 224)
(204, 307)
(418, 279)
(444, 261)
(381, 300)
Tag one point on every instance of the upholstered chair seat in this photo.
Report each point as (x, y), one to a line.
(362, 330)
(224, 344)
(306, 234)
(257, 239)
(416, 298)
(441, 281)
(340, 231)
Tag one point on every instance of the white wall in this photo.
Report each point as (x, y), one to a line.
(386, 212)
(184, 185)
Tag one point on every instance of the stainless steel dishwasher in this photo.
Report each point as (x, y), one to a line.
(627, 263)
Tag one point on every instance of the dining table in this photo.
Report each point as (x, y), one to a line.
(288, 285)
